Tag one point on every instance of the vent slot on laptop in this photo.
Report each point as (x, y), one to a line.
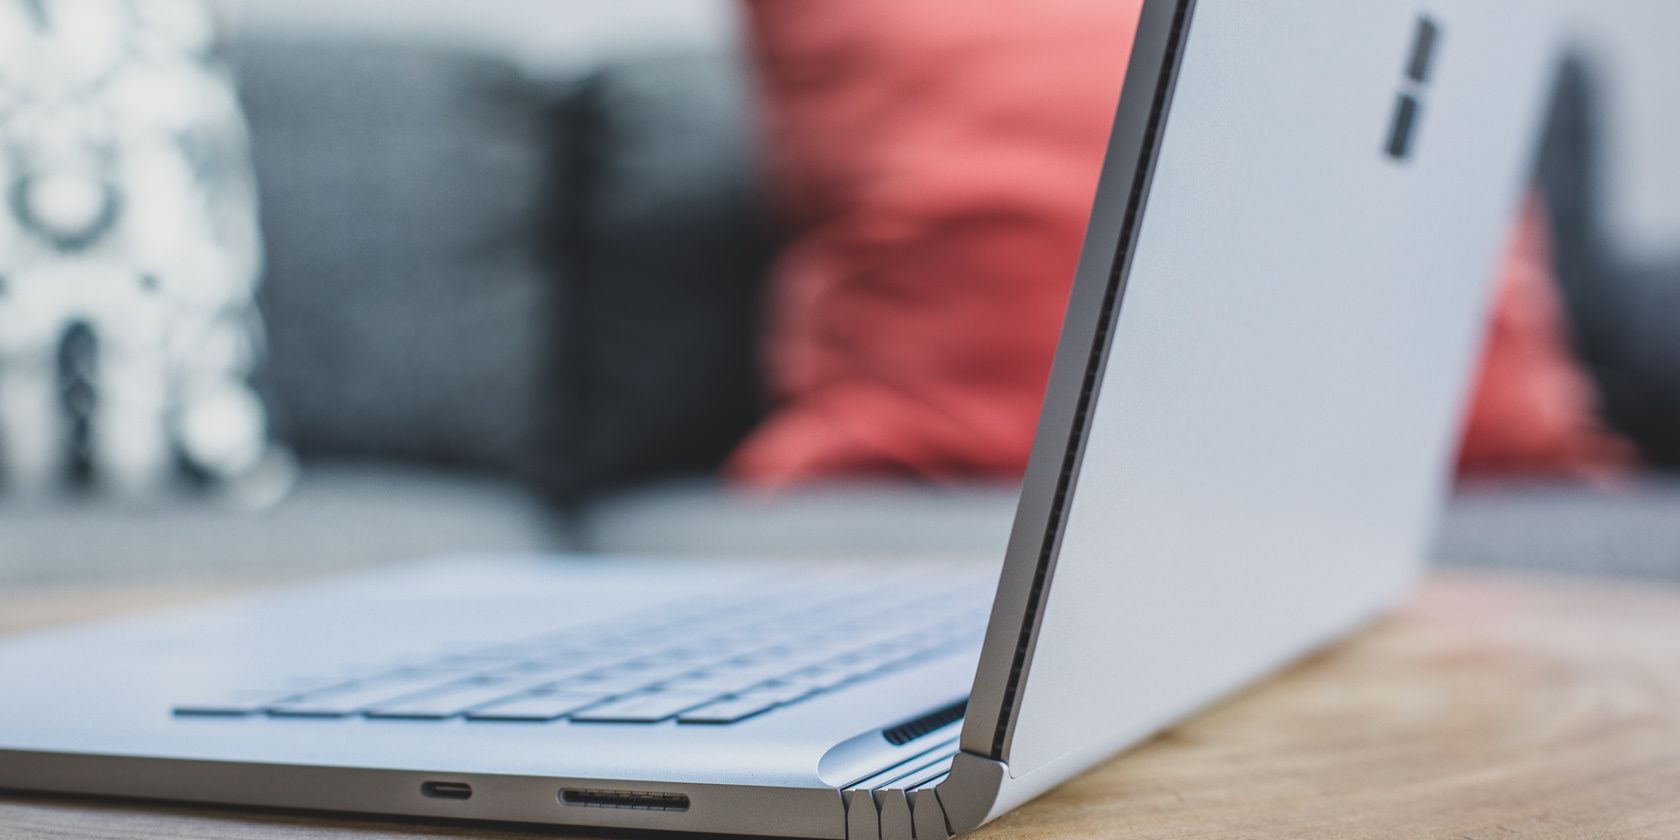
(634, 800)
(1177, 34)
(915, 728)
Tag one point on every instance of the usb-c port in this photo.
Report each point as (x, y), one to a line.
(446, 790)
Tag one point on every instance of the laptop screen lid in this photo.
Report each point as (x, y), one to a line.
(1258, 389)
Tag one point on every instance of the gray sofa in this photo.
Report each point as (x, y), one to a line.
(515, 250)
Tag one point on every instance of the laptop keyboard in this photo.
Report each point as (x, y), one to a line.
(707, 665)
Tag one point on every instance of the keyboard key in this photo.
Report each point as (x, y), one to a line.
(648, 707)
(729, 710)
(610, 684)
(554, 653)
(658, 671)
(680, 653)
(820, 678)
(780, 692)
(706, 660)
(235, 704)
(748, 673)
(471, 662)
(353, 698)
(715, 683)
(449, 701)
(536, 707)
(552, 671)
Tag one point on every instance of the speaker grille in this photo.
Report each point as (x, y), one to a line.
(634, 800)
(910, 730)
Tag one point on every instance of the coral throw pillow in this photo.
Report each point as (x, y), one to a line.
(1534, 409)
(937, 163)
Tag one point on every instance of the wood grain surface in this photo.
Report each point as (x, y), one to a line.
(1486, 708)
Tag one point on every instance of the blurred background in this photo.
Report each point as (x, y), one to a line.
(295, 285)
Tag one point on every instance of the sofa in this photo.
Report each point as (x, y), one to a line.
(515, 251)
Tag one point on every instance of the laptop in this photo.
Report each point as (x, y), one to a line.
(1246, 438)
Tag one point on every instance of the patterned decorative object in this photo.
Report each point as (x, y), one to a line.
(129, 254)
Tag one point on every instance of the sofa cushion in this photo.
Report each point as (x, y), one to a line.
(407, 197)
(1623, 316)
(1534, 408)
(415, 164)
(938, 169)
(1631, 529)
(664, 258)
(703, 517)
(337, 517)
(1639, 370)
(1628, 530)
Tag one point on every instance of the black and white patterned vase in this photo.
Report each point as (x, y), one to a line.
(129, 256)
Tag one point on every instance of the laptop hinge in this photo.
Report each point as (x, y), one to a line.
(889, 803)
(935, 796)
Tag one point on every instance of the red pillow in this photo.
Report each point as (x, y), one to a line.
(937, 161)
(1534, 409)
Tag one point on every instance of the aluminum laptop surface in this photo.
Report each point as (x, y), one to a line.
(1243, 444)
(1257, 396)
(89, 709)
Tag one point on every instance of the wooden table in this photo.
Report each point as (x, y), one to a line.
(1487, 708)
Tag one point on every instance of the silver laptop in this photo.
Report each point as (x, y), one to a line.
(1248, 431)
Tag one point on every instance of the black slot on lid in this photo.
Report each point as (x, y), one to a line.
(1423, 50)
